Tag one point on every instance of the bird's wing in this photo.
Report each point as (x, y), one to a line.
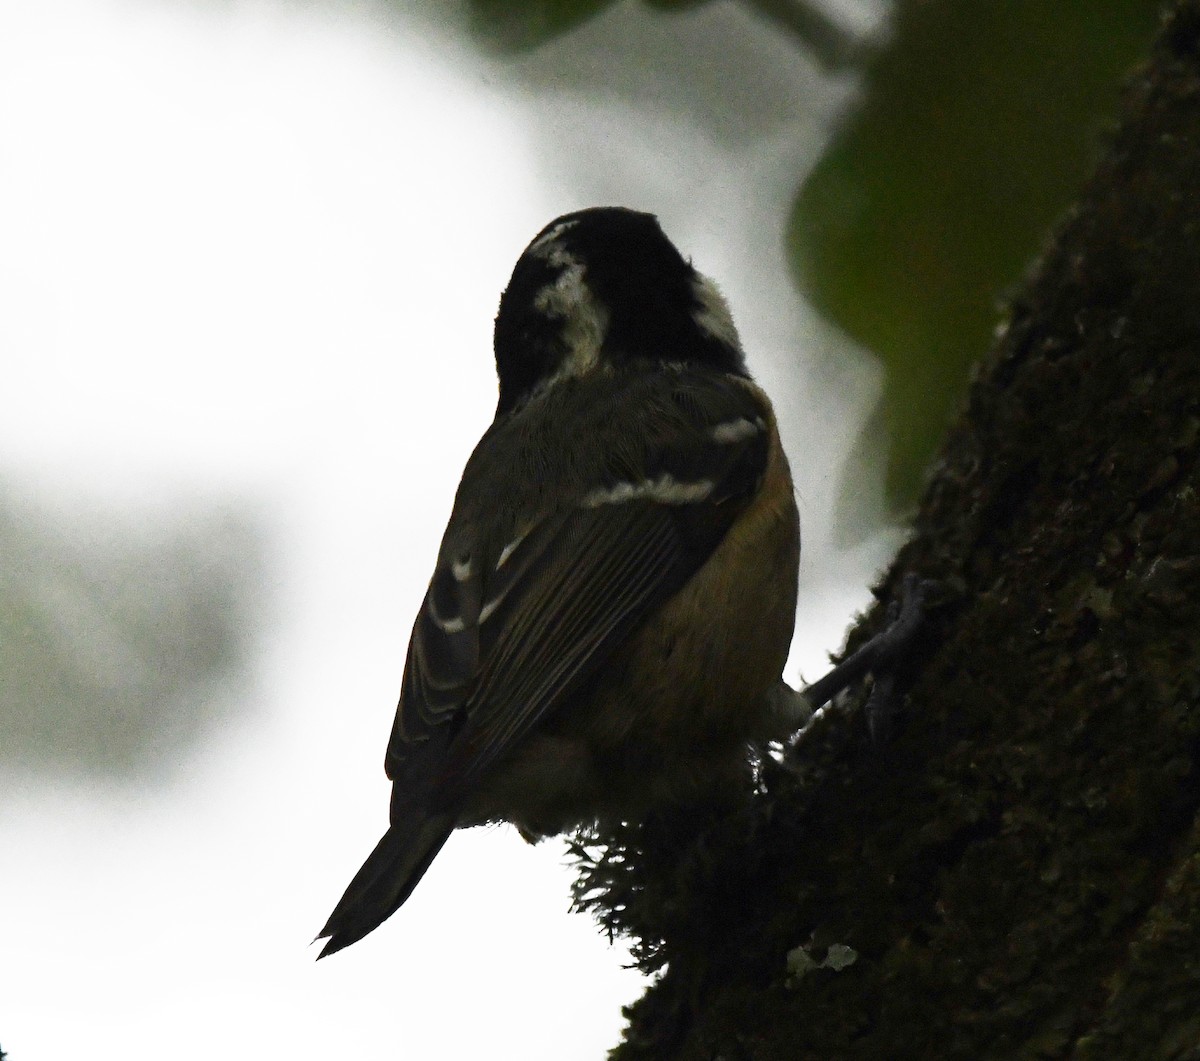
(505, 635)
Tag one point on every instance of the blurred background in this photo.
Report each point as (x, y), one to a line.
(250, 252)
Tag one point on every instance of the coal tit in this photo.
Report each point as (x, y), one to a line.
(614, 596)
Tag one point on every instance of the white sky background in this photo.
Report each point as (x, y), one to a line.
(249, 257)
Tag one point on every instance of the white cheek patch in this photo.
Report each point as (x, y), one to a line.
(664, 489)
(712, 314)
(738, 430)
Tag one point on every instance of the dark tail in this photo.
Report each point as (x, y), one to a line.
(386, 879)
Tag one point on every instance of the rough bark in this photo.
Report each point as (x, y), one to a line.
(1016, 874)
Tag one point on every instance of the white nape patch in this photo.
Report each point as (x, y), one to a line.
(664, 489)
(540, 245)
(462, 569)
(508, 550)
(585, 320)
(736, 430)
(712, 314)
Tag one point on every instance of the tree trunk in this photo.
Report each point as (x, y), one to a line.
(1016, 874)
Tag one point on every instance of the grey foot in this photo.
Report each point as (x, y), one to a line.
(880, 657)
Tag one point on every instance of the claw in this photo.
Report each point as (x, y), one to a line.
(906, 617)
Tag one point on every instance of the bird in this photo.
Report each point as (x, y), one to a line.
(614, 597)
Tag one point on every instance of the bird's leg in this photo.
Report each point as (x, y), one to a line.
(878, 656)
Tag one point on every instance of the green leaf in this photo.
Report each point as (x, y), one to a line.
(978, 124)
(520, 25)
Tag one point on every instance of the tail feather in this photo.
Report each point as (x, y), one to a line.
(386, 879)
